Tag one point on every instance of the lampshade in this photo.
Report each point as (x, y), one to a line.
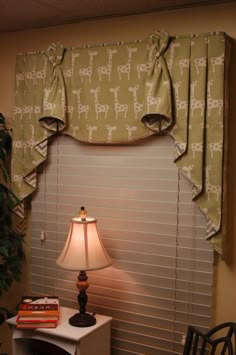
(83, 249)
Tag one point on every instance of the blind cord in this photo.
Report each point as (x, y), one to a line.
(57, 205)
(43, 232)
(176, 255)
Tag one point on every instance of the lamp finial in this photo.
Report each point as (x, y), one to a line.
(83, 213)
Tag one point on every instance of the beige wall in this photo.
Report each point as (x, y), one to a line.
(195, 20)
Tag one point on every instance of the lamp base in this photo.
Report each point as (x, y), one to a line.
(82, 320)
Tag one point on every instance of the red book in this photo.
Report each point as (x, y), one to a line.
(23, 319)
(47, 323)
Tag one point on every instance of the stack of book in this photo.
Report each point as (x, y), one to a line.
(38, 312)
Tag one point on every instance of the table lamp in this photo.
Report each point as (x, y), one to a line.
(83, 251)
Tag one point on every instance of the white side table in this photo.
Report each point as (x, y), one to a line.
(92, 340)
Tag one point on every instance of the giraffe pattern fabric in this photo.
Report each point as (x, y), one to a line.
(123, 92)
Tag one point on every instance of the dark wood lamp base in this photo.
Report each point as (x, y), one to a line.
(82, 319)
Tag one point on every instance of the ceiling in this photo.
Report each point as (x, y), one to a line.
(18, 15)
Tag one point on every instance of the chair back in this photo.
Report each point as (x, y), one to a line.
(219, 340)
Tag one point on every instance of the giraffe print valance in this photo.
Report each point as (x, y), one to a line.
(123, 92)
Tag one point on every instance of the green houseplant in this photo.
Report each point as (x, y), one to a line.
(11, 241)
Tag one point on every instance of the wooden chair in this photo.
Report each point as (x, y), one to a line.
(219, 340)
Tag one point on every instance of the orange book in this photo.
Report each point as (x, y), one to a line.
(45, 313)
(39, 306)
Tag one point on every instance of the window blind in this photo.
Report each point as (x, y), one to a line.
(162, 272)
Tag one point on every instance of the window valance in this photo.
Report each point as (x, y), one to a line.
(120, 93)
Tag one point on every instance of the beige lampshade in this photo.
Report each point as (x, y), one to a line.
(83, 249)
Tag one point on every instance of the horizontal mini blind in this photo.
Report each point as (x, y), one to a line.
(162, 272)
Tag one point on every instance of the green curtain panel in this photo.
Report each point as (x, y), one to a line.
(123, 92)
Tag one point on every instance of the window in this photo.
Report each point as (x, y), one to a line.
(162, 271)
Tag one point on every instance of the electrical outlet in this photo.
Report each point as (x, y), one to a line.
(183, 339)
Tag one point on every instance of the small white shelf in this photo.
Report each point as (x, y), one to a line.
(92, 340)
